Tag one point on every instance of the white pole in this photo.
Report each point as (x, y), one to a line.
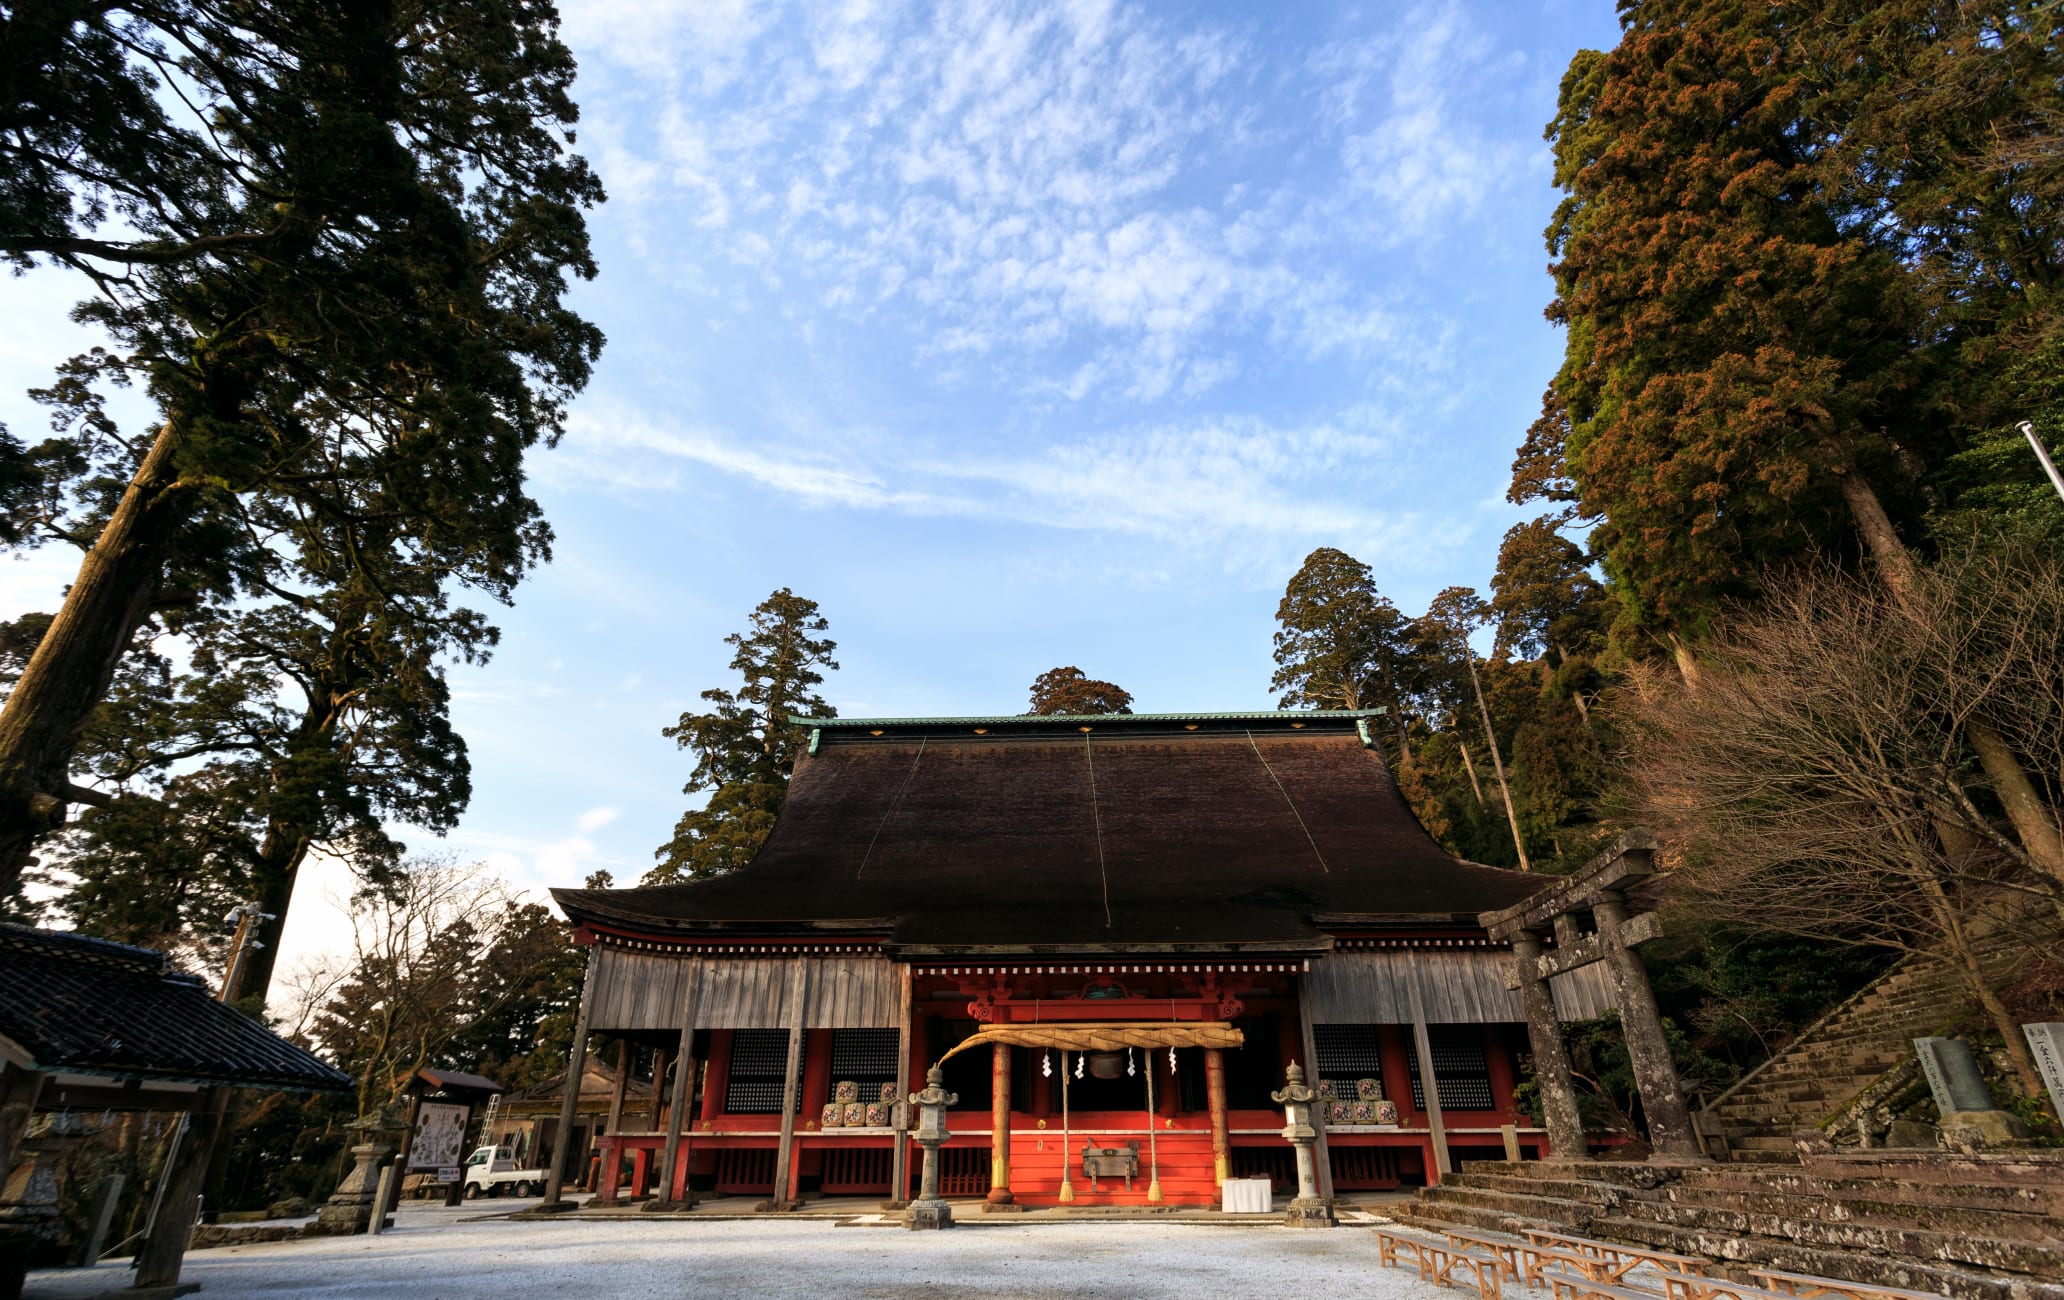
(2049, 466)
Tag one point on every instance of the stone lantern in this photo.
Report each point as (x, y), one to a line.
(350, 1208)
(1308, 1210)
(28, 1192)
(928, 1210)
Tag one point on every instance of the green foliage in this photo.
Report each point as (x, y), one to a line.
(336, 261)
(1340, 639)
(1543, 595)
(746, 746)
(1808, 251)
(1342, 645)
(1732, 350)
(1066, 691)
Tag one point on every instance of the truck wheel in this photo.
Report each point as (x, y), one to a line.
(522, 1191)
(472, 1191)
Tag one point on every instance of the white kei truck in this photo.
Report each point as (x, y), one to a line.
(490, 1171)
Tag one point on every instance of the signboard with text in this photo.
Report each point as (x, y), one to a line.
(440, 1136)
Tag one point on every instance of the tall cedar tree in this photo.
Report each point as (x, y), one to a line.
(1753, 373)
(1340, 642)
(338, 272)
(1740, 378)
(746, 746)
(1063, 691)
(301, 728)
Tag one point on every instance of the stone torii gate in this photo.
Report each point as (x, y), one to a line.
(1599, 889)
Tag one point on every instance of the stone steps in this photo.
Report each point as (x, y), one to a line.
(1473, 1220)
(1956, 1248)
(1824, 1261)
(1555, 1188)
(1868, 1212)
(1983, 1228)
(1837, 1059)
(1511, 1204)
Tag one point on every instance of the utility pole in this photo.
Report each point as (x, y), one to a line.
(2049, 466)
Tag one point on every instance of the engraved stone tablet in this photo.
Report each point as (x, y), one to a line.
(2046, 1041)
(1953, 1075)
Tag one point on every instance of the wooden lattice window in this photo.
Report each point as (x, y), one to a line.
(759, 1072)
(866, 1057)
(1348, 1053)
(1459, 1064)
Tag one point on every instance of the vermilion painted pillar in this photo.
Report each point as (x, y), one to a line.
(612, 1167)
(999, 1124)
(1214, 1092)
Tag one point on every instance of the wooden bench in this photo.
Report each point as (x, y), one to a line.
(1576, 1288)
(1443, 1261)
(1621, 1258)
(1507, 1250)
(1807, 1285)
(1713, 1288)
(1535, 1261)
(1390, 1242)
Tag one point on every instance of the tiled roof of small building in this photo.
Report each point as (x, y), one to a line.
(80, 1005)
(1194, 832)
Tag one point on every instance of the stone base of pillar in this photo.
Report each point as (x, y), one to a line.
(657, 1206)
(928, 1214)
(1002, 1207)
(777, 1207)
(1310, 1214)
(1982, 1130)
(551, 1207)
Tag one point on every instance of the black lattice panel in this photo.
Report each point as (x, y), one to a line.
(863, 1054)
(1348, 1052)
(1460, 1065)
(759, 1066)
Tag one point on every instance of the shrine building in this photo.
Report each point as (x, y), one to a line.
(1116, 932)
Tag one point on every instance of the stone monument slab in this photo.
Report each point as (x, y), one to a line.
(2046, 1041)
(1953, 1075)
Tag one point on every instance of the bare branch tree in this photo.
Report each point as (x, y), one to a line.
(445, 947)
(1815, 774)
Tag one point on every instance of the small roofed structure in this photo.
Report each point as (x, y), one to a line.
(1116, 930)
(526, 1121)
(90, 1025)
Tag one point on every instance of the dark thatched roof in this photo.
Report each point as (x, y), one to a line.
(1226, 833)
(86, 1006)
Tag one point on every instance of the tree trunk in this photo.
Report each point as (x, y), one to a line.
(1497, 759)
(69, 672)
(2025, 808)
(280, 856)
(1468, 765)
(1964, 955)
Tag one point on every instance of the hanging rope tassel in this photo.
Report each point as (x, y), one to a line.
(1067, 1140)
(1153, 1148)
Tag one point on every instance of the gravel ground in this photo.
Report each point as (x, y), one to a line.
(434, 1255)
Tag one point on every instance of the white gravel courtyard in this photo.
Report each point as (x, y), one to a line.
(438, 1258)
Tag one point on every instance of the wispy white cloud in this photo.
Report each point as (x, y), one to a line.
(1013, 182)
(1235, 492)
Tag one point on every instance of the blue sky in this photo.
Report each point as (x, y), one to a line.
(1016, 337)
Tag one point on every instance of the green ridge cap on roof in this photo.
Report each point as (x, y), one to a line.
(1267, 715)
